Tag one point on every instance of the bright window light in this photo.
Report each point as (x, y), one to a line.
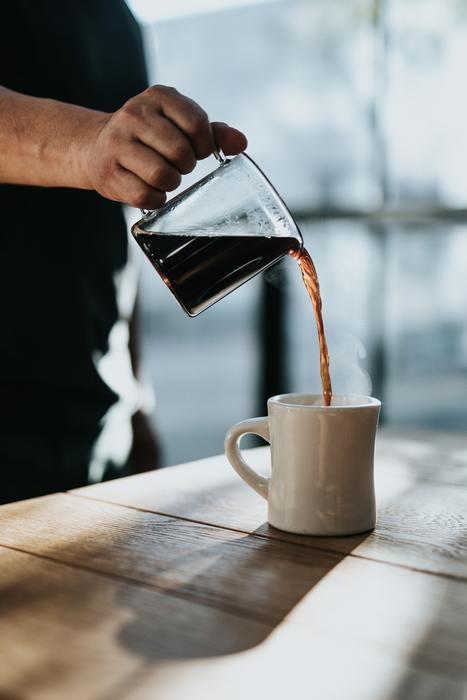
(150, 11)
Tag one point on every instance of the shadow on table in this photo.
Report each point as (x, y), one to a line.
(181, 589)
(233, 604)
(218, 597)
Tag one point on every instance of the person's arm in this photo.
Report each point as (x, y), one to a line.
(134, 155)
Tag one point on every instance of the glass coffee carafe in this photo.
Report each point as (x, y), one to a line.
(218, 234)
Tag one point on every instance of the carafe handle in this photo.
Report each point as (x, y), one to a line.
(218, 154)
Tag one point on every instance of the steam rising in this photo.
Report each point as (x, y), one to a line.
(349, 377)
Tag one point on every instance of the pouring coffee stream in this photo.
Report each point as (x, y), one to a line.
(310, 279)
(221, 232)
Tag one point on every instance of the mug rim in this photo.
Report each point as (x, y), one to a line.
(361, 401)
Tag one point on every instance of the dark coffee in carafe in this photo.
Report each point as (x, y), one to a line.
(200, 269)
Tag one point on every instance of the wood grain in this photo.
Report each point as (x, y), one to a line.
(185, 592)
(406, 614)
(426, 455)
(367, 630)
(254, 577)
(421, 524)
(206, 491)
(68, 633)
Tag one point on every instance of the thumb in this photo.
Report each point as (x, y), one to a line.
(230, 140)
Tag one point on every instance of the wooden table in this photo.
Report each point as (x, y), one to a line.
(170, 585)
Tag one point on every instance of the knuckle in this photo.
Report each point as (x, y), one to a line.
(181, 152)
(158, 90)
(155, 176)
(152, 91)
(130, 109)
(197, 123)
(167, 88)
(129, 117)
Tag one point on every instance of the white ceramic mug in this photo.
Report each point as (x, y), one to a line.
(321, 462)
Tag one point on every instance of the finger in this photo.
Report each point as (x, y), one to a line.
(150, 167)
(230, 140)
(136, 192)
(164, 137)
(190, 118)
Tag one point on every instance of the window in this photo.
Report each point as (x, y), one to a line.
(356, 112)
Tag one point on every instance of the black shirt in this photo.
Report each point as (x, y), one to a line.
(62, 249)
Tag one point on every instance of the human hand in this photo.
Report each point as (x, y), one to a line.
(138, 153)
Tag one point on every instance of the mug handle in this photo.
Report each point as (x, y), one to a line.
(255, 426)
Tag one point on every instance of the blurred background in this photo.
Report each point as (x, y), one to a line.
(355, 110)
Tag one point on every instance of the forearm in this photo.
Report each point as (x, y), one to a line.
(42, 141)
(134, 155)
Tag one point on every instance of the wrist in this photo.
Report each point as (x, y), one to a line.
(83, 148)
